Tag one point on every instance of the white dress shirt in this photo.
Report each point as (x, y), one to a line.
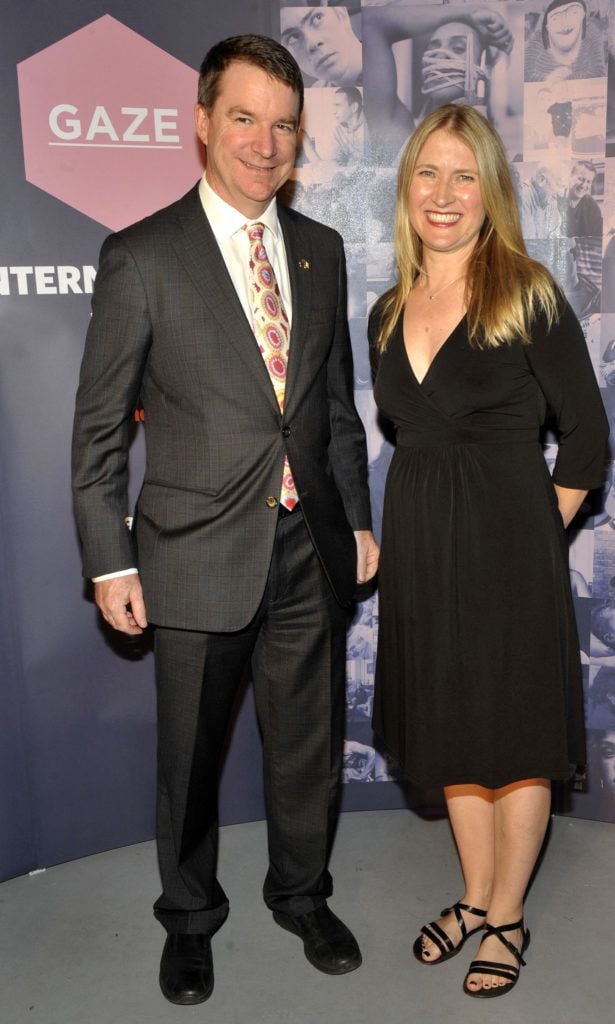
(227, 224)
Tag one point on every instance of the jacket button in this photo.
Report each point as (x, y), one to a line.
(285, 431)
(271, 502)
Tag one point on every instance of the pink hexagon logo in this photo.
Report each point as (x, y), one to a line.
(107, 123)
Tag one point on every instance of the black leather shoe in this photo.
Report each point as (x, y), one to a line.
(328, 944)
(186, 969)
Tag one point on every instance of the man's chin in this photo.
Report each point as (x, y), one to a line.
(262, 191)
(262, 195)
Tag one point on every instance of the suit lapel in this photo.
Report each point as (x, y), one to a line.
(298, 256)
(198, 251)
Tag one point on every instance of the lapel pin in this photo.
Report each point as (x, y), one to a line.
(304, 264)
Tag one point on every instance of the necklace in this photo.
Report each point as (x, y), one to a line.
(440, 290)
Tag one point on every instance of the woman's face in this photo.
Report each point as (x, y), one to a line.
(451, 51)
(444, 199)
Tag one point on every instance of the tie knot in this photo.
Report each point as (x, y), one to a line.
(255, 231)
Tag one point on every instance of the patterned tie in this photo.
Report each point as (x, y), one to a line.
(270, 326)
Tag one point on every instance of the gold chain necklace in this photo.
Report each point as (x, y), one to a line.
(440, 290)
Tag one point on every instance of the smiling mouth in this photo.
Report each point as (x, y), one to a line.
(261, 168)
(442, 218)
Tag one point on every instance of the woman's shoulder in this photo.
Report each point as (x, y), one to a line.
(553, 308)
(552, 328)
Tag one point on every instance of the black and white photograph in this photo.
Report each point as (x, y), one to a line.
(419, 57)
(325, 43)
(566, 39)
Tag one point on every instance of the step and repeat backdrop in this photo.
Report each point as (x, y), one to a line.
(97, 132)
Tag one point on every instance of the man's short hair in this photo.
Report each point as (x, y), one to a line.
(352, 94)
(587, 164)
(261, 51)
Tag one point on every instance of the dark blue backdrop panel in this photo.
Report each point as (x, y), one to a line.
(77, 730)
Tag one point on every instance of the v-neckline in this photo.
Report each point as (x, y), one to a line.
(434, 359)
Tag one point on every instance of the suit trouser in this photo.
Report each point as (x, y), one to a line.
(295, 646)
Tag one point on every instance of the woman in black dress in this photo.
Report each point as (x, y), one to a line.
(478, 683)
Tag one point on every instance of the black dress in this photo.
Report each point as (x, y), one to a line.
(478, 675)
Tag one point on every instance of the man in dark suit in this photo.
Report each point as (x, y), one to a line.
(225, 315)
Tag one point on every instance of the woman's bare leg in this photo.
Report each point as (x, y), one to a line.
(471, 814)
(499, 833)
(521, 814)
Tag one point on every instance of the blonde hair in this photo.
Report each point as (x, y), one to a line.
(504, 286)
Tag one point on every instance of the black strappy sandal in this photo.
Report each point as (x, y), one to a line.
(438, 936)
(507, 971)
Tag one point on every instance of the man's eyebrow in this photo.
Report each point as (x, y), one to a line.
(241, 110)
(293, 28)
(249, 113)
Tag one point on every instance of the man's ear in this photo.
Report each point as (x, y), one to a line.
(201, 121)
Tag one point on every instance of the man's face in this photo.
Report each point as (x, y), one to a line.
(322, 42)
(251, 137)
(581, 182)
(564, 26)
(543, 181)
(607, 633)
(342, 110)
(607, 756)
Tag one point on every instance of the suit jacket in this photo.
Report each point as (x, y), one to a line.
(168, 330)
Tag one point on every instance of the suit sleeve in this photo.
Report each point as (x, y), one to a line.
(116, 349)
(561, 364)
(347, 447)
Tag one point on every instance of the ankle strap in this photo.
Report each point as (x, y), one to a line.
(456, 910)
(497, 930)
(472, 910)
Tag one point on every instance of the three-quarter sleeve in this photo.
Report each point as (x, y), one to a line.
(560, 362)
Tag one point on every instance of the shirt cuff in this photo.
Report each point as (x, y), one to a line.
(115, 575)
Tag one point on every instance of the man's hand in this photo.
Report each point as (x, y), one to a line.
(121, 603)
(368, 553)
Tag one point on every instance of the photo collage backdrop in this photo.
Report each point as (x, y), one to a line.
(544, 74)
(98, 133)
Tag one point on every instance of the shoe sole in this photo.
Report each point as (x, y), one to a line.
(498, 990)
(287, 924)
(187, 1000)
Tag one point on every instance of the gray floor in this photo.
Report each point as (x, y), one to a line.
(78, 944)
